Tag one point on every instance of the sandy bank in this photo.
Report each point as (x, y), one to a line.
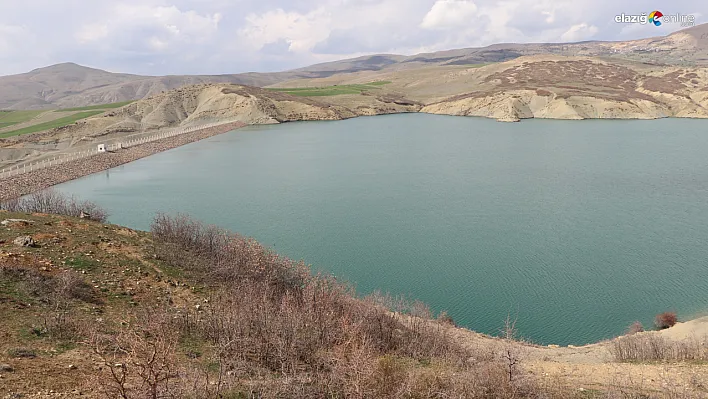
(26, 183)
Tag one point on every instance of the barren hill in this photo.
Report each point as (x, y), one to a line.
(540, 86)
(71, 85)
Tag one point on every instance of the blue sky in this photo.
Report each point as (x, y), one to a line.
(158, 37)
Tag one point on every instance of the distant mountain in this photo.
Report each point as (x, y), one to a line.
(71, 85)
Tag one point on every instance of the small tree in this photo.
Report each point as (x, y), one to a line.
(510, 355)
(665, 320)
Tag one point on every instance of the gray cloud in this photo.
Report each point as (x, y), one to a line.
(231, 36)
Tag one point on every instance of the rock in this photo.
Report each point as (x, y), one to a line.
(554, 346)
(24, 241)
(6, 367)
(72, 367)
(8, 222)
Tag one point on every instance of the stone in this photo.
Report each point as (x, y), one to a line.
(6, 367)
(8, 222)
(24, 241)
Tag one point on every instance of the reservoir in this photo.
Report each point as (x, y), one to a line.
(577, 228)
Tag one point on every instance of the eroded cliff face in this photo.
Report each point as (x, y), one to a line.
(578, 88)
(524, 104)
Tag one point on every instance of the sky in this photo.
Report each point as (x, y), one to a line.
(160, 37)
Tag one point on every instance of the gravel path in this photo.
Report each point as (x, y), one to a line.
(27, 183)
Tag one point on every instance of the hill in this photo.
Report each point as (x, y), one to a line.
(541, 86)
(187, 310)
(70, 85)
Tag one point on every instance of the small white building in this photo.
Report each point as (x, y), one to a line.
(101, 148)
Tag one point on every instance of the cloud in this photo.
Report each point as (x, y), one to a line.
(449, 14)
(301, 31)
(579, 32)
(231, 36)
(9, 36)
(155, 28)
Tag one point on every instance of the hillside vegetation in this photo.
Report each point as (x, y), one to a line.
(194, 311)
(56, 123)
(331, 90)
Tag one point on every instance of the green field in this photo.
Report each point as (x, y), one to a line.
(67, 120)
(9, 118)
(331, 90)
(97, 107)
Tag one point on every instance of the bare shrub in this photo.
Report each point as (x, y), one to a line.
(60, 321)
(293, 334)
(139, 362)
(651, 347)
(635, 328)
(665, 320)
(54, 202)
(55, 294)
(445, 318)
(510, 351)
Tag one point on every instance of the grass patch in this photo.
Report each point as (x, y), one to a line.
(67, 120)
(81, 263)
(9, 118)
(331, 90)
(99, 106)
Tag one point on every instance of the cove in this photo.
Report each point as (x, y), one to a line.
(577, 228)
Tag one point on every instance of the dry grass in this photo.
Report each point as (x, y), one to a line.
(648, 347)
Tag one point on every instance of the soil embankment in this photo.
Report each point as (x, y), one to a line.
(30, 182)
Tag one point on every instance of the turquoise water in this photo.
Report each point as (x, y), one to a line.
(577, 227)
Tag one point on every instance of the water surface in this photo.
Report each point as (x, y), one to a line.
(577, 227)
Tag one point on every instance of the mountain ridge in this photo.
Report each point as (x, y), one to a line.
(72, 85)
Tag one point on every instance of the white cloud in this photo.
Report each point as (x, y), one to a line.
(449, 14)
(156, 28)
(91, 33)
(9, 37)
(231, 36)
(301, 31)
(579, 32)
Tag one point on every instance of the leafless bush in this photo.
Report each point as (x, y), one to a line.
(55, 294)
(54, 202)
(665, 320)
(268, 316)
(213, 255)
(139, 361)
(651, 347)
(634, 328)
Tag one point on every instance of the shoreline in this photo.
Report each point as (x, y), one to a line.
(30, 182)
